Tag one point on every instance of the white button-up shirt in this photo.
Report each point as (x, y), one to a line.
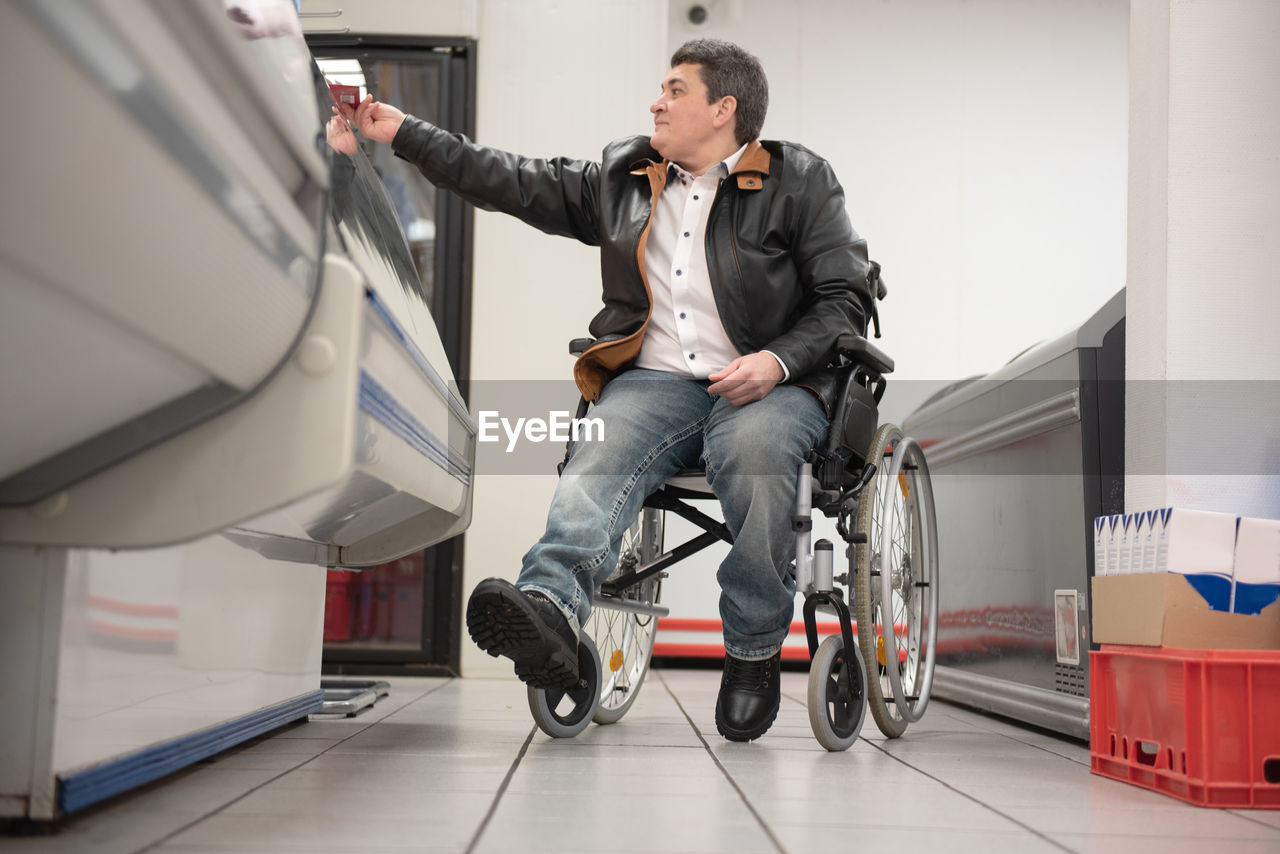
(685, 335)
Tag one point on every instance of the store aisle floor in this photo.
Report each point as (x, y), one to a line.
(457, 765)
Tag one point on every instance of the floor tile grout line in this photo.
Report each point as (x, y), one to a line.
(995, 732)
(1029, 744)
(988, 731)
(803, 703)
(777, 843)
(502, 790)
(970, 797)
(177, 832)
(445, 684)
(1245, 816)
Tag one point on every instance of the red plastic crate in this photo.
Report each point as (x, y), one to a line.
(1200, 725)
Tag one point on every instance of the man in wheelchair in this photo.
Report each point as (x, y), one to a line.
(730, 272)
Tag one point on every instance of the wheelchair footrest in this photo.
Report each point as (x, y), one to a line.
(635, 606)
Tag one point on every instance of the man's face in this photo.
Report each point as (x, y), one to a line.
(682, 119)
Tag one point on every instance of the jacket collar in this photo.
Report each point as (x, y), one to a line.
(752, 166)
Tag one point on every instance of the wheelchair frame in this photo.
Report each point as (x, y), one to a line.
(892, 580)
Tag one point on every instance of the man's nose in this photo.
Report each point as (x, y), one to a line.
(656, 106)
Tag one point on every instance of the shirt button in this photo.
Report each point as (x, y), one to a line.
(678, 272)
(695, 198)
(682, 315)
(692, 357)
(686, 234)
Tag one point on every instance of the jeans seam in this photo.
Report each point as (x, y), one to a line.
(598, 560)
(570, 612)
(755, 654)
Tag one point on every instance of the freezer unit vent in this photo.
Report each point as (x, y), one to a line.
(1070, 679)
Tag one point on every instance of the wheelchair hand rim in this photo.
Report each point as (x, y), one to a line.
(908, 447)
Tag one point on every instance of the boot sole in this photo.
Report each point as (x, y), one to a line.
(502, 624)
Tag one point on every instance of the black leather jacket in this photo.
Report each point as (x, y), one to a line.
(788, 271)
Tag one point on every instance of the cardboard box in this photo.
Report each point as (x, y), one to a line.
(1163, 609)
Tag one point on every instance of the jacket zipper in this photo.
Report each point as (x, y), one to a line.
(733, 244)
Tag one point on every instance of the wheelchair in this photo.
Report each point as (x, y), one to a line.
(875, 483)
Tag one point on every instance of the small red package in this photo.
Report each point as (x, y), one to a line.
(348, 95)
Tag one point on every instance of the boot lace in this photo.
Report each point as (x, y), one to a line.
(745, 675)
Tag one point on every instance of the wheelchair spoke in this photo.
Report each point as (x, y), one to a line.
(625, 639)
(906, 605)
(896, 587)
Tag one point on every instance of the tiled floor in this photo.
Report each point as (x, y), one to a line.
(456, 765)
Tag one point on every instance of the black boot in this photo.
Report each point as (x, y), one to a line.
(749, 697)
(528, 629)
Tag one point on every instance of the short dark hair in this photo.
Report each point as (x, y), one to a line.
(727, 69)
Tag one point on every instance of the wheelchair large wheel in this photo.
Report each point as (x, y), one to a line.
(625, 638)
(896, 581)
(837, 703)
(565, 712)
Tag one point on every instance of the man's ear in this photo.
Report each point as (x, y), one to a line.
(726, 109)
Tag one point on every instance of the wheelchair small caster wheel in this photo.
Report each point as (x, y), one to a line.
(565, 712)
(837, 706)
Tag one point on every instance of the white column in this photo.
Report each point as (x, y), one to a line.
(1203, 332)
(533, 293)
(32, 582)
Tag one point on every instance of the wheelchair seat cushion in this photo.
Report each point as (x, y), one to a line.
(690, 480)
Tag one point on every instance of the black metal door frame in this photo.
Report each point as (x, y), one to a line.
(439, 653)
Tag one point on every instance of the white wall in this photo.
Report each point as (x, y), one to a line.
(555, 78)
(981, 143)
(982, 148)
(1202, 406)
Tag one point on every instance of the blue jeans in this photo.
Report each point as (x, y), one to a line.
(654, 425)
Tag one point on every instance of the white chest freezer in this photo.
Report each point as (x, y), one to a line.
(211, 321)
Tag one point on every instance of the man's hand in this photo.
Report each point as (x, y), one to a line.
(339, 134)
(746, 378)
(374, 119)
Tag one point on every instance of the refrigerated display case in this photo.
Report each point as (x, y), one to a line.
(1022, 460)
(219, 384)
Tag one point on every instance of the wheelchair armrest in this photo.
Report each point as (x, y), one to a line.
(856, 413)
(860, 351)
(578, 346)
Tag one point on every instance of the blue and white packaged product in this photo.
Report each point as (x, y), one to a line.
(1127, 523)
(1101, 533)
(1150, 536)
(1115, 527)
(1257, 565)
(1200, 544)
